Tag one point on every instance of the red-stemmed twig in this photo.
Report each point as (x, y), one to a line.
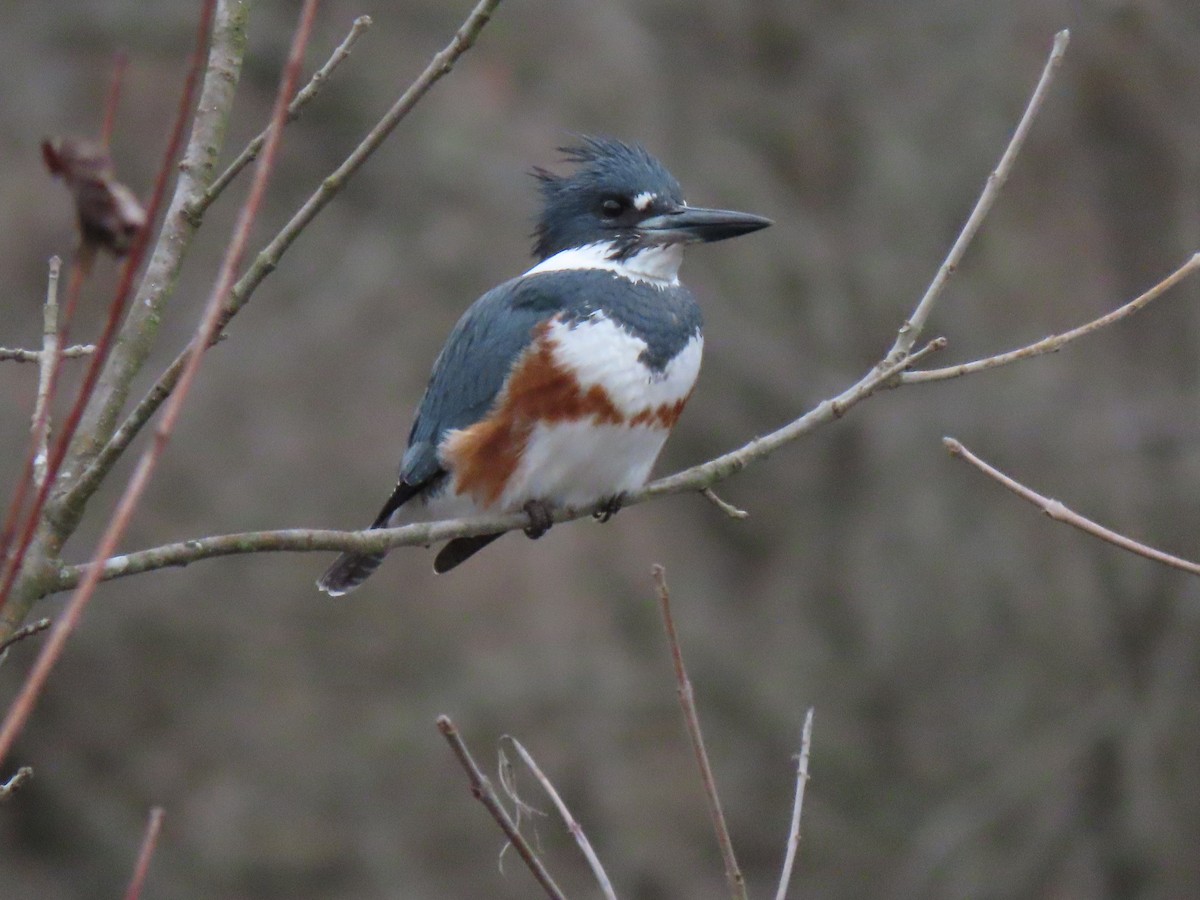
(687, 701)
(482, 790)
(145, 854)
(117, 309)
(23, 704)
(120, 65)
(1058, 511)
(793, 841)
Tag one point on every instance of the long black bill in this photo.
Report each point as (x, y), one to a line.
(693, 225)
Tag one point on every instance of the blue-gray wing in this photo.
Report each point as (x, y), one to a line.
(473, 366)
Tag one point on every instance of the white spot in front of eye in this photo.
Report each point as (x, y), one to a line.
(643, 200)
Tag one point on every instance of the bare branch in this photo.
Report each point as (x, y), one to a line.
(793, 841)
(482, 790)
(149, 842)
(307, 93)
(1054, 343)
(269, 257)
(733, 874)
(1057, 511)
(572, 824)
(22, 775)
(911, 330)
(304, 540)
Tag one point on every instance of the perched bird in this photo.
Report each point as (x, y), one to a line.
(558, 388)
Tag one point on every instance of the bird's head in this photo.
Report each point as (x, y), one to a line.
(622, 200)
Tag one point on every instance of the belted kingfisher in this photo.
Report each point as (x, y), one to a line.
(559, 387)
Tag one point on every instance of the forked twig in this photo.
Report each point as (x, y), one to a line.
(687, 701)
(145, 853)
(793, 841)
(482, 790)
(1059, 512)
(911, 330)
(305, 94)
(572, 824)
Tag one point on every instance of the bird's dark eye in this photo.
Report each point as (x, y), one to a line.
(612, 207)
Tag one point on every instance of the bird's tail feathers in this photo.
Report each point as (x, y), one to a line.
(351, 569)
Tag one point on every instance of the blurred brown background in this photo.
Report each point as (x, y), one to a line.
(1004, 707)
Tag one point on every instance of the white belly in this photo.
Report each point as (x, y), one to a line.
(580, 463)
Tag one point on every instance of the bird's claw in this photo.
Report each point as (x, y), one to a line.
(609, 507)
(540, 518)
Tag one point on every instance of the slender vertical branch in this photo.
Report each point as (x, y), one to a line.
(145, 854)
(687, 701)
(47, 362)
(30, 690)
(793, 841)
(482, 790)
(911, 330)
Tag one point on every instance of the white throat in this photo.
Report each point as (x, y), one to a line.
(658, 266)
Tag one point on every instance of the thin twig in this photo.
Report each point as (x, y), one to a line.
(1056, 342)
(911, 330)
(793, 841)
(23, 775)
(23, 704)
(482, 790)
(723, 505)
(25, 631)
(268, 258)
(19, 354)
(687, 701)
(307, 93)
(1057, 511)
(47, 362)
(145, 853)
(572, 824)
